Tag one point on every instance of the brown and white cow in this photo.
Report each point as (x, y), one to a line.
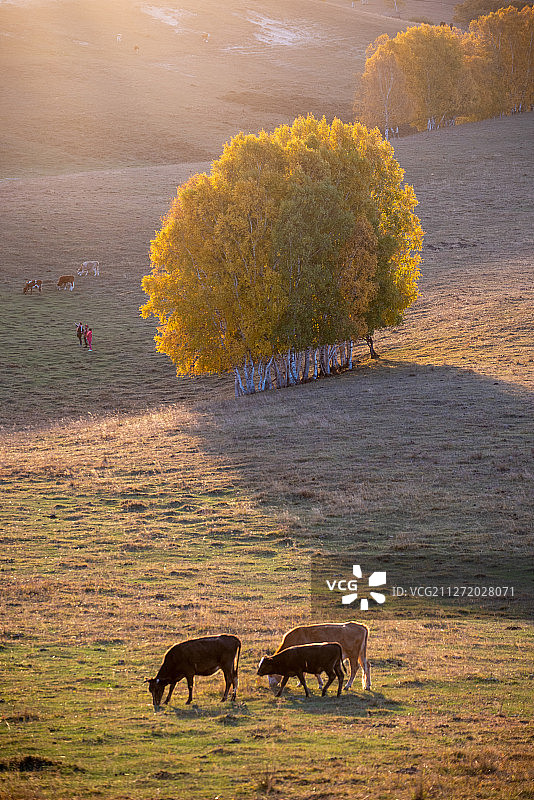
(202, 656)
(293, 662)
(89, 266)
(66, 282)
(31, 285)
(352, 636)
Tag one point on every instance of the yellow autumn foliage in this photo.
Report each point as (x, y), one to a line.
(297, 238)
(430, 75)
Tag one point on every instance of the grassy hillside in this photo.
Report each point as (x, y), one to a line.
(128, 530)
(139, 509)
(74, 98)
(474, 311)
(126, 535)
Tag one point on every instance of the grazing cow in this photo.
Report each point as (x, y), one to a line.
(197, 657)
(31, 285)
(89, 266)
(314, 658)
(66, 282)
(352, 636)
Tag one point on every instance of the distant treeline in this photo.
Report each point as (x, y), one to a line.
(472, 9)
(433, 75)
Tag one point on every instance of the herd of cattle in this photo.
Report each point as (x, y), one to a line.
(311, 649)
(65, 281)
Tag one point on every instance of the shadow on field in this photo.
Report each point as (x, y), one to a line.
(348, 704)
(399, 454)
(225, 714)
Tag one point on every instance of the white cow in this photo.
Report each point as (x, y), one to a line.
(89, 266)
(352, 636)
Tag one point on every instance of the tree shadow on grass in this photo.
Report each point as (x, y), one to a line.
(402, 454)
(227, 713)
(347, 705)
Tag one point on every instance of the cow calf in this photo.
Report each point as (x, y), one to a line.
(352, 636)
(293, 662)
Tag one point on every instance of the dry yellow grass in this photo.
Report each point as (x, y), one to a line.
(139, 510)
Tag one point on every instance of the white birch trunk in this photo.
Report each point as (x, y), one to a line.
(239, 390)
(306, 366)
(324, 359)
(289, 372)
(280, 376)
(260, 373)
(333, 356)
(350, 355)
(266, 382)
(295, 366)
(289, 362)
(249, 376)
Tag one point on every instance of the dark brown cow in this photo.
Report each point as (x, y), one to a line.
(293, 662)
(31, 285)
(66, 282)
(202, 656)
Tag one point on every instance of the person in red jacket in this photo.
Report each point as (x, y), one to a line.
(90, 339)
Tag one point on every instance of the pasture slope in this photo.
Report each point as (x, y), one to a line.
(74, 98)
(139, 509)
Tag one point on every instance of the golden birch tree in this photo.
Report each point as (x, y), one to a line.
(500, 48)
(382, 99)
(272, 262)
(472, 9)
(433, 62)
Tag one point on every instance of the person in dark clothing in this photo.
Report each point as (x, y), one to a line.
(79, 332)
(85, 329)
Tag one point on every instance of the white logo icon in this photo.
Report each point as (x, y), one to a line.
(375, 579)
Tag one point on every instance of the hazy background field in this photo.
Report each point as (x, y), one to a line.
(139, 509)
(74, 98)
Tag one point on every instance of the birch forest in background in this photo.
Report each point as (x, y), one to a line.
(432, 75)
